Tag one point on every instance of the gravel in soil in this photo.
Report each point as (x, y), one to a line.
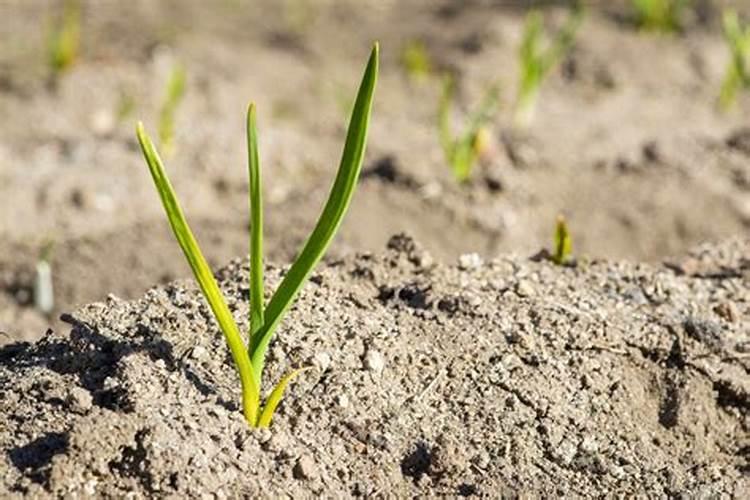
(508, 376)
(631, 149)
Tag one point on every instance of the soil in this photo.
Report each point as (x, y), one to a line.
(631, 149)
(624, 374)
(511, 377)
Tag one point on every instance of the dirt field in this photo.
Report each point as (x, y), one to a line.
(646, 341)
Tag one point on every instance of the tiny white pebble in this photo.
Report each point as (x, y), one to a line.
(102, 122)
(199, 353)
(80, 399)
(322, 361)
(469, 261)
(342, 400)
(524, 288)
(374, 361)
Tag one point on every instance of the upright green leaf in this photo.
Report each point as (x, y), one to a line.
(461, 152)
(204, 276)
(563, 242)
(330, 219)
(256, 226)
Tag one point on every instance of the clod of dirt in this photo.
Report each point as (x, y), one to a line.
(510, 377)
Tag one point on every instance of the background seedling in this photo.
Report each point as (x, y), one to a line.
(563, 244)
(737, 75)
(173, 93)
(44, 298)
(264, 319)
(64, 40)
(416, 61)
(462, 150)
(659, 15)
(536, 62)
(125, 106)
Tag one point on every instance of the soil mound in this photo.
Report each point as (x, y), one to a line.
(493, 378)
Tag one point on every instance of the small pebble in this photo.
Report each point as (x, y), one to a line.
(524, 288)
(80, 400)
(589, 445)
(277, 443)
(305, 468)
(322, 361)
(199, 353)
(423, 259)
(728, 311)
(374, 361)
(342, 400)
(102, 122)
(469, 261)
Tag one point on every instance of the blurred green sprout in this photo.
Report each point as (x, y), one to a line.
(125, 106)
(536, 61)
(659, 15)
(416, 61)
(44, 296)
(462, 150)
(65, 38)
(265, 318)
(737, 75)
(563, 243)
(173, 94)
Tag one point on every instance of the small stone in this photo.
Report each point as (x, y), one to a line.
(80, 400)
(199, 353)
(322, 361)
(511, 361)
(305, 468)
(728, 311)
(263, 435)
(431, 190)
(589, 445)
(423, 259)
(103, 202)
(469, 261)
(342, 400)
(277, 443)
(102, 122)
(564, 453)
(524, 288)
(374, 361)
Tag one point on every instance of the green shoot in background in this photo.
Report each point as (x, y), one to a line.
(737, 75)
(173, 94)
(659, 15)
(462, 150)
(563, 244)
(416, 61)
(65, 38)
(536, 62)
(265, 318)
(125, 106)
(44, 295)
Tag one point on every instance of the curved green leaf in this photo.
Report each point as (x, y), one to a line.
(330, 219)
(264, 420)
(204, 276)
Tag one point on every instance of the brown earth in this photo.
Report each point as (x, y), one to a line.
(624, 375)
(627, 141)
(510, 377)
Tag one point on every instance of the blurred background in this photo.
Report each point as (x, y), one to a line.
(491, 119)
